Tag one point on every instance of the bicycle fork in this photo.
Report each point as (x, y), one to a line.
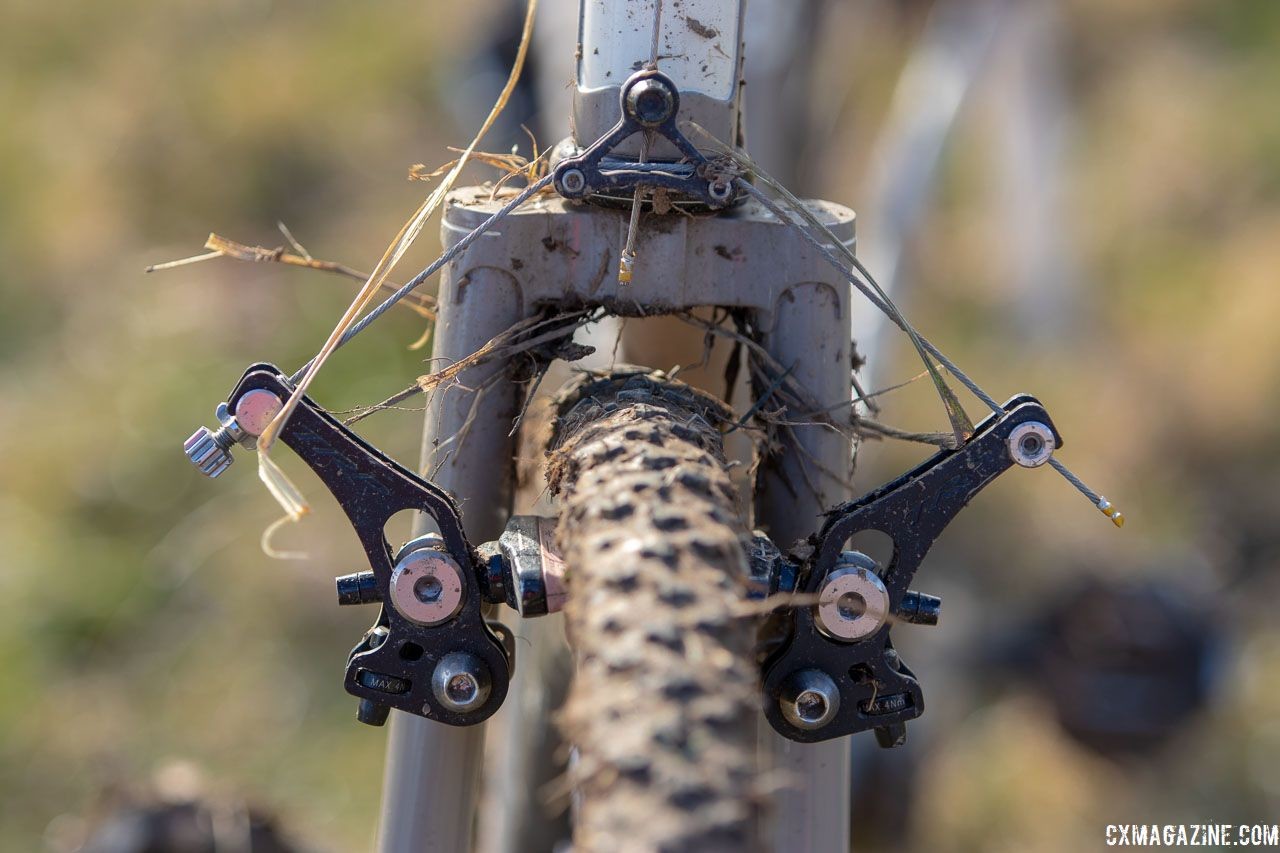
(555, 255)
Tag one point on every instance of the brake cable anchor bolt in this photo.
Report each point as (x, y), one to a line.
(1031, 444)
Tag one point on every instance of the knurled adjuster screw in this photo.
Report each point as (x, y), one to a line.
(210, 450)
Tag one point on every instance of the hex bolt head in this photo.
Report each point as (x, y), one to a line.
(461, 682)
(650, 102)
(809, 699)
(1031, 444)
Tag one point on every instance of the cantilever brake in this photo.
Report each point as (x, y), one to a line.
(438, 658)
(863, 684)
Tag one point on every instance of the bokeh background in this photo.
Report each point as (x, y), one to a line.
(1101, 228)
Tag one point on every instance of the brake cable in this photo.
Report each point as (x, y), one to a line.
(1103, 505)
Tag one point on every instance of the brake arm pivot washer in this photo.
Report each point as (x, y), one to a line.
(852, 686)
(399, 663)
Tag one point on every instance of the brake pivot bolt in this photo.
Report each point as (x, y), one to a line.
(426, 584)
(853, 603)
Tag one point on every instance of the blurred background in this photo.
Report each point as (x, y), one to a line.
(1076, 198)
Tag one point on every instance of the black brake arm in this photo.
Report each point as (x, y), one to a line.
(876, 689)
(371, 488)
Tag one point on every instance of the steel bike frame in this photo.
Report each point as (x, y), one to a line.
(554, 253)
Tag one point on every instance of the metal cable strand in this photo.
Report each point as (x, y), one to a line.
(434, 267)
(657, 34)
(1095, 498)
(769, 204)
(866, 291)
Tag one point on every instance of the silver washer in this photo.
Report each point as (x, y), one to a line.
(853, 604)
(1031, 444)
(573, 181)
(426, 587)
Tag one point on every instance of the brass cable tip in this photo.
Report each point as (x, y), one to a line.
(1106, 508)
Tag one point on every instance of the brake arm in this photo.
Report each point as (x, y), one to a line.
(401, 661)
(852, 686)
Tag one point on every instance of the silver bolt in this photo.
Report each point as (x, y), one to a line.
(853, 603)
(1031, 444)
(207, 452)
(573, 181)
(256, 409)
(378, 635)
(210, 451)
(719, 189)
(426, 583)
(809, 699)
(650, 102)
(461, 682)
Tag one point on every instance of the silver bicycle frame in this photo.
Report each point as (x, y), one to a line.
(551, 253)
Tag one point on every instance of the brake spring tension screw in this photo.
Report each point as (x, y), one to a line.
(809, 699)
(461, 682)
